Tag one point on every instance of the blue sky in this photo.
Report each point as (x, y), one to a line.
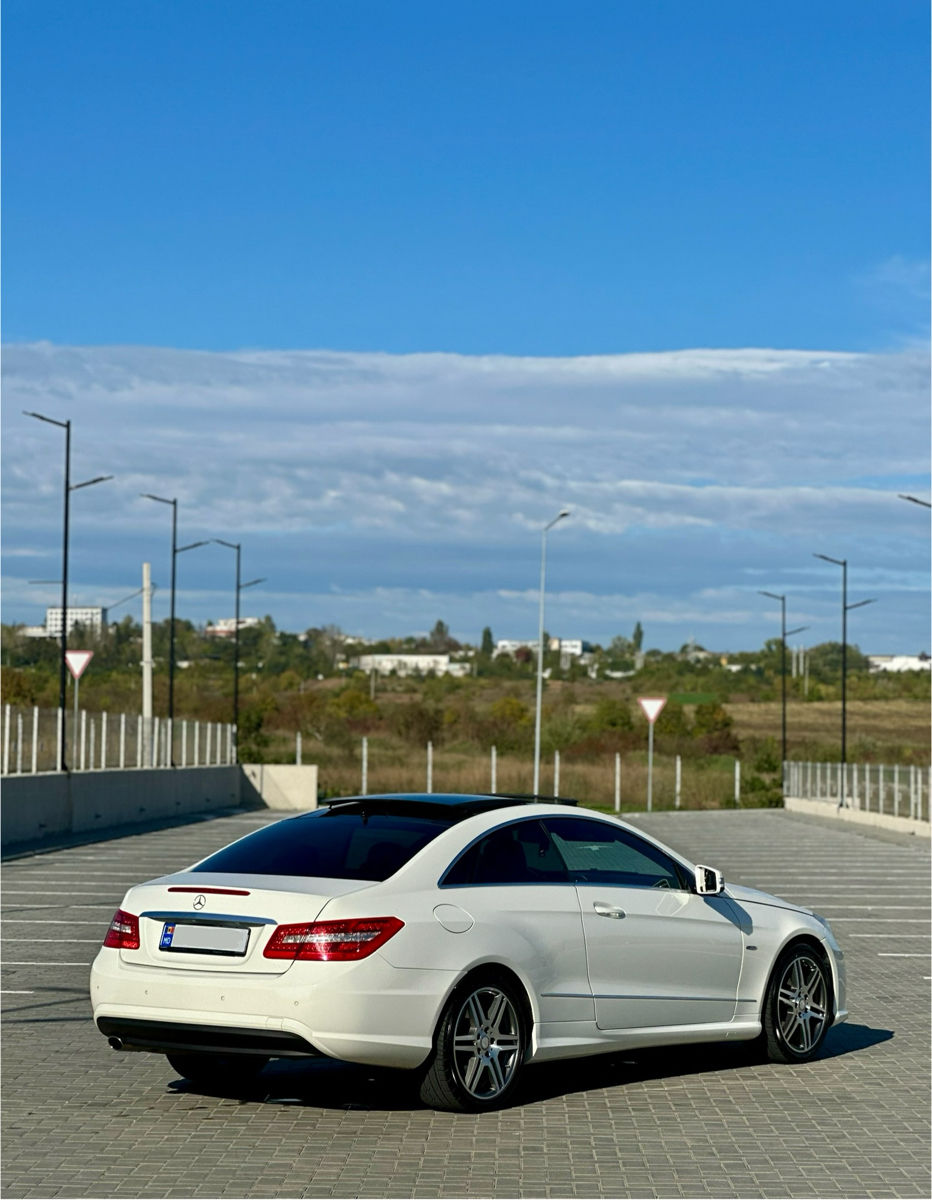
(506, 223)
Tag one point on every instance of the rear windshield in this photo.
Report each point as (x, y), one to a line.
(341, 843)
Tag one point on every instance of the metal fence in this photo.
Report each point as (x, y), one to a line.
(898, 790)
(109, 741)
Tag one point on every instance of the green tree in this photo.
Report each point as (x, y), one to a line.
(488, 645)
(637, 638)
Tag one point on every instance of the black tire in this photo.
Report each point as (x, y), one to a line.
(479, 1047)
(217, 1070)
(798, 1005)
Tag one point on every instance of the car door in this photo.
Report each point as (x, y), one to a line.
(515, 887)
(658, 954)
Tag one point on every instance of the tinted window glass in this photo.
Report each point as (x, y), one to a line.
(597, 853)
(520, 853)
(342, 843)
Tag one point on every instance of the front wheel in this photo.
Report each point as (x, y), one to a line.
(480, 1047)
(217, 1070)
(797, 1009)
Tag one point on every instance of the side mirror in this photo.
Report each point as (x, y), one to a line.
(709, 882)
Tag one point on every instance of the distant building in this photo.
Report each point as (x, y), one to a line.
(899, 662)
(512, 646)
(88, 617)
(410, 664)
(226, 626)
(567, 647)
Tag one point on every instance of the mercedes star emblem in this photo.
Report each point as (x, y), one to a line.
(200, 900)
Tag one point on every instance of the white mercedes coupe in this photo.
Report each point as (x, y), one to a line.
(459, 936)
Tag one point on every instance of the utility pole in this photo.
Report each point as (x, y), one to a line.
(147, 663)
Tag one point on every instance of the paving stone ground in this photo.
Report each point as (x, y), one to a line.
(80, 1120)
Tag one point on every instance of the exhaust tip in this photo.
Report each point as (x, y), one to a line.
(115, 1043)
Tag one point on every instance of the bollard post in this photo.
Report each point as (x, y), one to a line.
(153, 750)
(19, 743)
(494, 770)
(103, 742)
(83, 735)
(617, 782)
(365, 766)
(60, 738)
(139, 739)
(35, 739)
(556, 773)
(679, 781)
(430, 767)
(122, 740)
(896, 789)
(737, 782)
(297, 749)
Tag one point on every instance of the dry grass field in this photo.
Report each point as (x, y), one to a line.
(877, 730)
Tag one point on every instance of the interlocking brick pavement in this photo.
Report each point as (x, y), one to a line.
(80, 1120)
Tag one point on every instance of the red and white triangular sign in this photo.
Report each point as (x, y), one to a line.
(77, 660)
(652, 706)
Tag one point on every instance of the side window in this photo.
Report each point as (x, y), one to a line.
(519, 853)
(595, 852)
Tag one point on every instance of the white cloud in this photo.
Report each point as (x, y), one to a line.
(433, 474)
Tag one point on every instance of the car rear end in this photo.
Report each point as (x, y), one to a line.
(231, 957)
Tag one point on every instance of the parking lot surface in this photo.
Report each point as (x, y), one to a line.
(81, 1120)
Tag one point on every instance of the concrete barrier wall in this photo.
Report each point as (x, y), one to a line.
(42, 809)
(282, 786)
(856, 816)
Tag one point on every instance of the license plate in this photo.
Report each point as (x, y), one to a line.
(204, 939)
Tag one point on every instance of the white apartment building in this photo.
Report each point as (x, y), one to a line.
(226, 626)
(899, 662)
(90, 618)
(570, 647)
(410, 664)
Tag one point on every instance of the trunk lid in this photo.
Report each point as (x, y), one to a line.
(198, 921)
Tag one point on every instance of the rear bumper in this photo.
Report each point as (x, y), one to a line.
(131, 1033)
(366, 1012)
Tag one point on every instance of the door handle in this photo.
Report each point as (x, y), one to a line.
(608, 910)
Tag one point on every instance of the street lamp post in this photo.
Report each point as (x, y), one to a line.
(176, 550)
(237, 546)
(564, 512)
(69, 488)
(845, 609)
(784, 634)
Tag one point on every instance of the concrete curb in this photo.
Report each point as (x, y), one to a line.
(857, 816)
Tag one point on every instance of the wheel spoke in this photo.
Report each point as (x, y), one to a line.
(495, 1070)
(472, 1072)
(497, 1009)
(791, 1024)
(475, 1011)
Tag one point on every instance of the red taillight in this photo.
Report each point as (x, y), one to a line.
(332, 941)
(123, 933)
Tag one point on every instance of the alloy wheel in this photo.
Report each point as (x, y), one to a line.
(486, 1043)
(802, 1004)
